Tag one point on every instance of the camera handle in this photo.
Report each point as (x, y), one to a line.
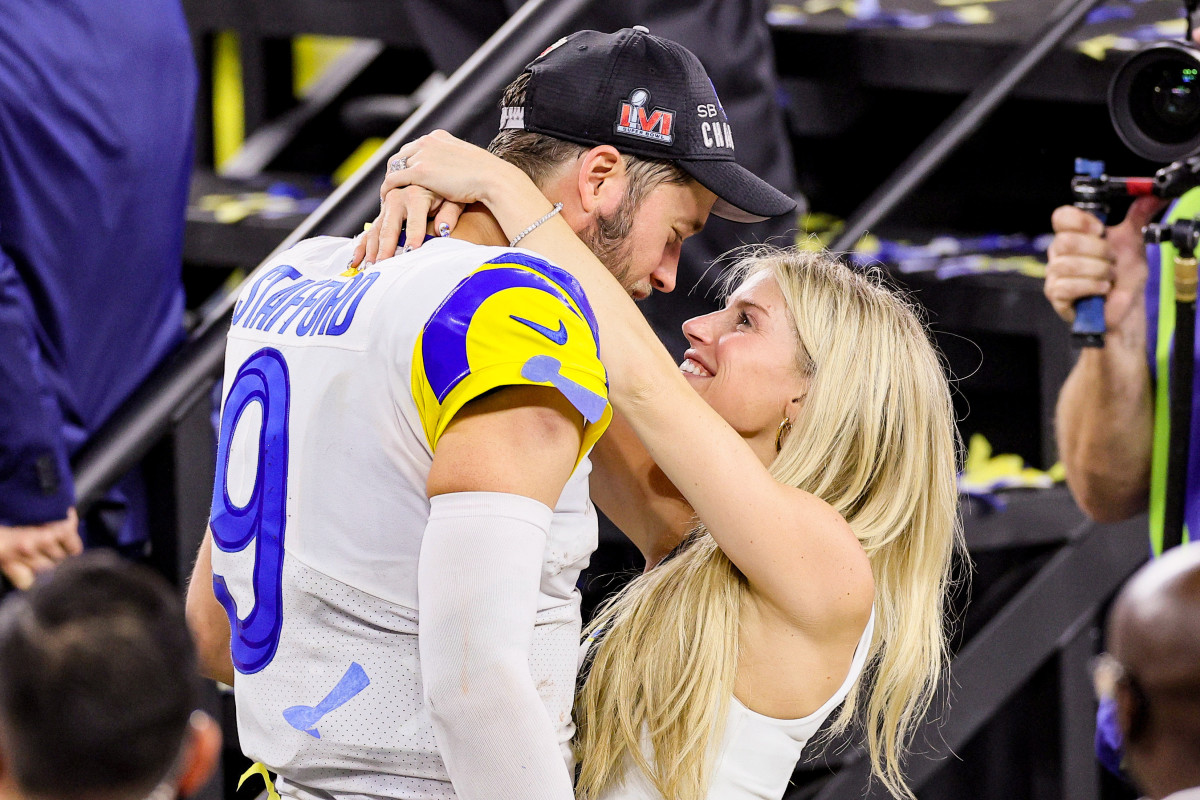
(1184, 235)
(1090, 188)
(1093, 191)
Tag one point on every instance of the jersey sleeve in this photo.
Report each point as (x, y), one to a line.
(515, 321)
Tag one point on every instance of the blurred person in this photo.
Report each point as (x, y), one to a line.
(1152, 674)
(98, 688)
(401, 513)
(96, 108)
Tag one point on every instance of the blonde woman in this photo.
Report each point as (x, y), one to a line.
(809, 437)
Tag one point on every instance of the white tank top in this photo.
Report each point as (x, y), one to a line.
(757, 754)
(319, 510)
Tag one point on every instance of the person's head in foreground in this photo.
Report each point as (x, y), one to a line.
(98, 688)
(807, 339)
(626, 130)
(1152, 671)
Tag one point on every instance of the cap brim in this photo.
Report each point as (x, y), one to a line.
(742, 196)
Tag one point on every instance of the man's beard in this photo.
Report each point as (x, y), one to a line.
(608, 238)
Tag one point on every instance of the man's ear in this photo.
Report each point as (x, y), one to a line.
(1132, 713)
(201, 753)
(601, 180)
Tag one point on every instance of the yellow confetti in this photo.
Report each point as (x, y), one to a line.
(1171, 27)
(1098, 46)
(986, 472)
(976, 15)
(820, 6)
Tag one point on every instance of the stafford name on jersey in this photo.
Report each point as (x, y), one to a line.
(318, 307)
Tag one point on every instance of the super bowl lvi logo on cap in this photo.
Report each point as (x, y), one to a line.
(657, 125)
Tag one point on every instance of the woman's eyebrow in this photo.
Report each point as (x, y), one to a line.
(743, 303)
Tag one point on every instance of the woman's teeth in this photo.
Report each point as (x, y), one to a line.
(692, 368)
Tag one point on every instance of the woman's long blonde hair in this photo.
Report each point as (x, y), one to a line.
(876, 440)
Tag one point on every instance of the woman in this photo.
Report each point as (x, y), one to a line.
(810, 429)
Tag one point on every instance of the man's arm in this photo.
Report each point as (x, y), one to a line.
(207, 619)
(497, 472)
(635, 494)
(1104, 418)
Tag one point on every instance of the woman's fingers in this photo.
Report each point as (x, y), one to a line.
(397, 176)
(367, 244)
(391, 222)
(417, 212)
(446, 218)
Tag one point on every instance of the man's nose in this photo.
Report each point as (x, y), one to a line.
(663, 277)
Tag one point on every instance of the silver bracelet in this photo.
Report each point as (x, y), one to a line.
(557, 208)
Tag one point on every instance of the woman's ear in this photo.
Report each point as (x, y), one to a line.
(602, 180)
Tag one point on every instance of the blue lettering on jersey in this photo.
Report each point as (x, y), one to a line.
(444, 343)
(319, 308)
(273, 275)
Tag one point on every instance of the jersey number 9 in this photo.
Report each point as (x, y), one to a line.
(260, 520)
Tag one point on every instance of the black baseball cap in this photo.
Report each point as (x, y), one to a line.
(648, 97)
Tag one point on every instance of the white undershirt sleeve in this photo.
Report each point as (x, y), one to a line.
(477, 586)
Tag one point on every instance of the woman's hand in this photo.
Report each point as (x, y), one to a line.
(412, 205)
(442, 174)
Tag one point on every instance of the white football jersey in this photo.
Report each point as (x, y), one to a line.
(338, 384)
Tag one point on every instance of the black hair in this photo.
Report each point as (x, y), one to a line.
(98, 679)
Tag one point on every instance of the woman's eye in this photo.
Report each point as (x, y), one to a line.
(743, 319)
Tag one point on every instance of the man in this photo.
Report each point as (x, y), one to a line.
(98, 688)
(1152, 671)
(420, 430)
(91, 296)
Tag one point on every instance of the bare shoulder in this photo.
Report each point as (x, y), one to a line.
(818, 576)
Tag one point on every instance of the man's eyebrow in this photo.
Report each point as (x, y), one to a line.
(692, 226)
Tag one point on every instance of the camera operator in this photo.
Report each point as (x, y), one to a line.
(1114, 452)
(1111, 419)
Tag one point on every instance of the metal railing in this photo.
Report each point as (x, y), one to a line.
(961, 124)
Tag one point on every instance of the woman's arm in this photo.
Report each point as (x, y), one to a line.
(796, 551)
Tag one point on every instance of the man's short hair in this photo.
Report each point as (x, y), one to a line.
(98, 680)
(540, 156)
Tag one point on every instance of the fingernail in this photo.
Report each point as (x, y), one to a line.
(407, 248)
(443, 229)
(367, 264)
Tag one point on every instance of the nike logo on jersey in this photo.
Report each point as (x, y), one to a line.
(558, 337)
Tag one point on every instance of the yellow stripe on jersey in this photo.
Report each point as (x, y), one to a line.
(515, 321)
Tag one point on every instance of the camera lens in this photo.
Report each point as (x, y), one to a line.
(1154, 101)
(1166, 102)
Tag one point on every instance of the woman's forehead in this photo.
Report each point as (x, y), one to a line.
(758, 286)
